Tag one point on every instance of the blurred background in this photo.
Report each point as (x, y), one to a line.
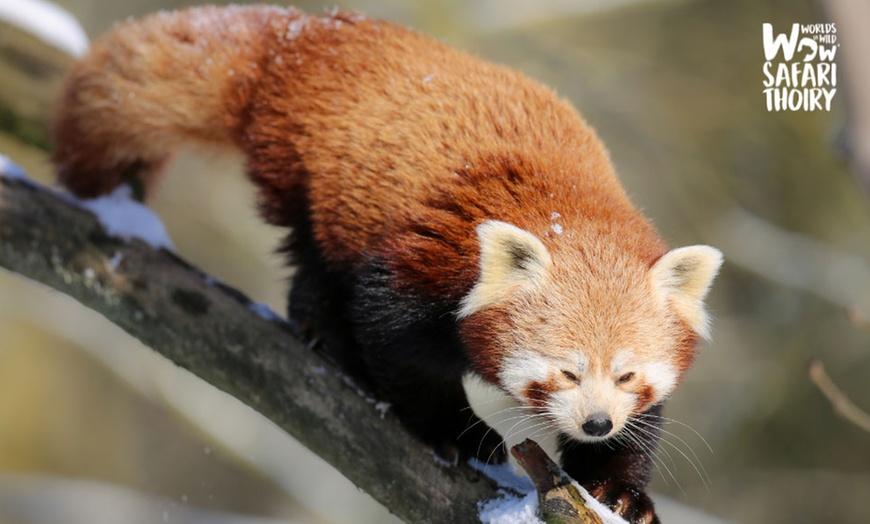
(95, 428)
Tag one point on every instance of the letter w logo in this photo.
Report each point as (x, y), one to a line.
(773, 45)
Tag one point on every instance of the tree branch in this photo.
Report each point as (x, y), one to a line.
(841, 403)
(558, 498)
(212, 331)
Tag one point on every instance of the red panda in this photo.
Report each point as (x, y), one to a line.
(451, 220)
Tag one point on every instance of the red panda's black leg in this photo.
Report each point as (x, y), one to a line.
(317, 312)
(389, 344)
(412, 352)
(317, 305)
(617, 472)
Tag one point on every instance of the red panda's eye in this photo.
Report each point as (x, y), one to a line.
(625, 378)
(571, 376)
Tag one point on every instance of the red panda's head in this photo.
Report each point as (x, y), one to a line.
(587, 335)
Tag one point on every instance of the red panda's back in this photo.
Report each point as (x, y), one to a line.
(376, 121)
(376, 134)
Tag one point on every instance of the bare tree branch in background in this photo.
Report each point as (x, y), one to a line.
(841, 403)
(795, 260)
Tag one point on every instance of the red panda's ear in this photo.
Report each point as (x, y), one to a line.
(684, 276)
(510, 257)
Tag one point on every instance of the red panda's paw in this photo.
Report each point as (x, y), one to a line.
(626, 500)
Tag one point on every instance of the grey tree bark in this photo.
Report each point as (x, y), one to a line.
(212, 330)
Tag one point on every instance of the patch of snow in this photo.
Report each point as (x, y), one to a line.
(557, 228)
(349, 382)
(522, 508)
(382, 408)
(264, 311)
(295, 27)
(429, 78)
(555, 216)
(511, 510)
(47, 21)
(504, 475)
(607, 516)
(442, 462)
(116, 260)
(125, 218)
(10, 169)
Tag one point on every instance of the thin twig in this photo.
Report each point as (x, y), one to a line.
(841, 403)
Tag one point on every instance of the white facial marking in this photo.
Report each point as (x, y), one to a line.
(620, 361)
(662, 377)
(505, 414)
(520, 370)
(571, 408)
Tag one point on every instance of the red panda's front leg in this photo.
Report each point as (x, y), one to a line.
(414, 357)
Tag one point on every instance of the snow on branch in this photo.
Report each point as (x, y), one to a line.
(218, 334)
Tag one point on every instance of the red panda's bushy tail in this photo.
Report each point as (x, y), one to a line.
(150, 84)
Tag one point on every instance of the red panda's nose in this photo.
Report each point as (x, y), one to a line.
(597, 425)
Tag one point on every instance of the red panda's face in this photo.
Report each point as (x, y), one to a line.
(590, 355)
(584, 340)
(588, 399)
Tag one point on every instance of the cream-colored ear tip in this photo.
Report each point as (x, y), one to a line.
(683, 276)
(509, 257)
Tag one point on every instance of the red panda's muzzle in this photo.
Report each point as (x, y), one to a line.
(597, 425)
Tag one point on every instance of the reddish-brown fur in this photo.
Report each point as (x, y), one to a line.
(393, 158)
(644, 397)
(386, 147)
(478, 333)
(538, 392)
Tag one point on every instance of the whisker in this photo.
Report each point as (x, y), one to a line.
(697, 466)
(705, 477)
(652, 451)
(499, 412)
(519, 418)
(490, 401)
(683, 424)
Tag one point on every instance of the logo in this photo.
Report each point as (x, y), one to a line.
(799, 69)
